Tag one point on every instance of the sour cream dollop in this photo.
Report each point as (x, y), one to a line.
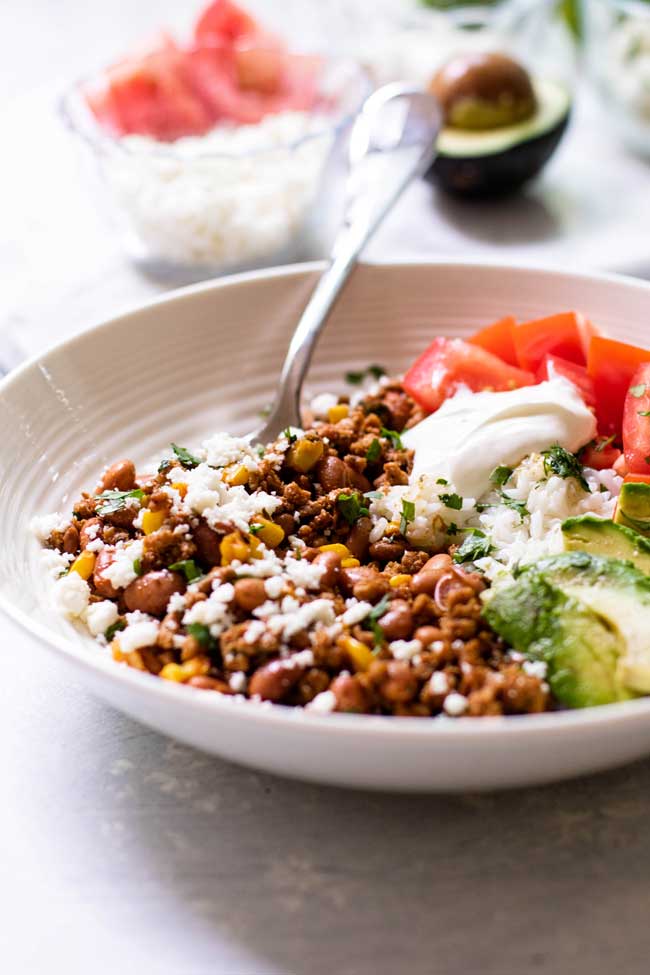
(472, 433)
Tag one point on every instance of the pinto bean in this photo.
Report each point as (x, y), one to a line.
(426, 580)
(70, 539)
(209, 684)
(400, 684)
(273, 681)
(350, 695)
(104, 586)
(152, 591)
(441, 561)
(332, 473)
(332, 563)
(397, 623)
(428, 635)
(120, 476)
(358, 539)
(387, 551)
(91, 530)
(249, 594)
(207, 545)
(364, 582)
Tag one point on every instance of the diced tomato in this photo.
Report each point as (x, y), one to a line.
(611, 366)
(620, 466)
(601, 455)
(450, 363)
(554, 365)
(223, 22)
(260, 68)
(498, 339)
(636, 422)
(566, 335)
(636, 478)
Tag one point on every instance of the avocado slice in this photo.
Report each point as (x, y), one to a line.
(600, 536)
(580, 649)
(633, 507)
(493, 161)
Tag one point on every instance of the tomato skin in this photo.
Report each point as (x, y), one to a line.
(600, 460)
(223, 22)
(611, 365)
(554, 365)
(498, 339)
(566, 335)
(450, 363)
(636, 426)
(636, 479)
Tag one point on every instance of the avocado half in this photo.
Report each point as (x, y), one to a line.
(498, 161)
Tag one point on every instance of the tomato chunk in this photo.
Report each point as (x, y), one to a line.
(601, 454)
(554, 365)
(611, 366)
(498, 339)
(223, 22)
(566, 335)
(450, 363)
(636, 422)
(637, 479)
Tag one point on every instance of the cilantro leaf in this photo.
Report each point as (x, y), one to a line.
(394, 437)
(643, 412)
(376, 371)
(201, 633)
(452, 501)
(187, 459)
(500, 475)
(517, 506)
(559, 461)
(408, 514)
(373, 618)
(373, 453)
(291, 437)
(476, 545)
(354, 378)
(112, 501)
(604, 443)
(351, 506)
(637, 391)
(164, 465)
(137, 566)
(442, 480)
(189, 568)
(453, 529)
(254, 529)
(114, 628)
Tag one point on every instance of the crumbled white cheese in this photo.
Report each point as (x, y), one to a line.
(455, 704)
(71, 594)
(95, 546)
(222, 449)
(212, 612)
(535, 668)
(138, 635)
(237, 681)
(274, 586)
(254, 631)
(99, 616)
(120, 573)
(209, 495)
(355, 612)
(43, 525)
(439, 682)
(304, 573)
(405, 649)
(322, 703)
(54, 562)
(290, 623)
(322, 404)
(176, 603)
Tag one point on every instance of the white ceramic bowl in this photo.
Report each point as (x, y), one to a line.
(206, 358)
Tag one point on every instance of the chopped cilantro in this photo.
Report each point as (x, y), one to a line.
(112, 501)
(259, 450)
(187, 459)
(643, 412)
(452, 501)
(559, 461)
(453, 529)
(291, 437)
(375, 615)
(164, 465)
(517, 506)
(500, 475)
(408, 514)
(373, 453)
(351, 506)
(604, 443)
(354, 378)
(393, 436)
(475, 546)
(189, 568)
(114, 628)
(254, 529)
(442, 480)
(201, 633)
(376, 371)
(373, 494)
(137, 566)
(637, 391)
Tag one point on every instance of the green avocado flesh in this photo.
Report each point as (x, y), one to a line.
(633, 508)
(481, 163)
(600, 536)
(588, 618)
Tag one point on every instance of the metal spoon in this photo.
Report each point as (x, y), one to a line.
(392, 142)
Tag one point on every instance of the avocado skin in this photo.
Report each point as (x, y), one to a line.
(600, 536)
(633, 507)
(581, 652)
(499, 173)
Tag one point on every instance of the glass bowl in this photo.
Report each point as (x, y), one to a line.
(617, 44)
(237, 198)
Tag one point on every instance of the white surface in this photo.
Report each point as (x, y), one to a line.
(61, 419)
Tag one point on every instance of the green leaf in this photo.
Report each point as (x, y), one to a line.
(164, 465)
(254, 529)
(500, 475)
(373, 494)
(187, 459)
(373, 453)
(452, 501)
(559, 461)
(376, 371)
(475, 546)
(637, 391)
(137, 566)
(201, 633)
(375, 615)
(517, 506)
(351, 506)
(291, 437)
(643, 412)
(453, 529)
(259, 450)
(605, 443)
(442, 480)
(112, 501)
(354, 378)
(189, 568)
(393, 436)
(114, 628)
(408, 514)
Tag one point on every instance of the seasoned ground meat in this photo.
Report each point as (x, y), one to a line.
(263, 574)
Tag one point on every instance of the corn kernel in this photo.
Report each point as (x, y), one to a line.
(337, 547)
(234, 547)
(84, 564)
(180, 487)
(304, 455)
(196, 667)
(255, 546)
(401, 579)
(350, 563)
(236, 475)
(360, 655)
(173, 672)
(152, 521)
(270, 533)
(338, 412)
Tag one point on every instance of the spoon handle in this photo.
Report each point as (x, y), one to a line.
(366, 209)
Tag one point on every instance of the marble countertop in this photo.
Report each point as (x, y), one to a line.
(122, 851)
